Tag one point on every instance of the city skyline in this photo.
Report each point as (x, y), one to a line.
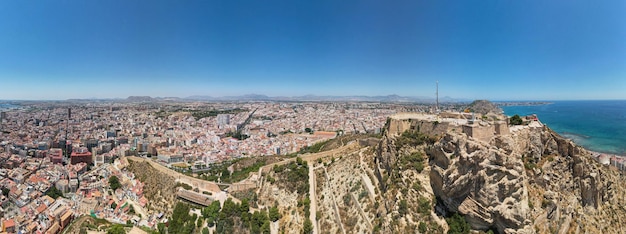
(533, 50)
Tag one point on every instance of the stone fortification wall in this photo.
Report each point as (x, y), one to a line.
(482, 133)
(502, 128)
(430, 127)
(433, 125)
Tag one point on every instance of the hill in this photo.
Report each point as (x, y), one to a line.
(484, 107)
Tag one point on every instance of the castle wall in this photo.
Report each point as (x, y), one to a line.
(398, 126)
(502, 128)
(430, 126)
(482, 133)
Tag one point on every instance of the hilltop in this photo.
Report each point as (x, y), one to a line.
(484, 107)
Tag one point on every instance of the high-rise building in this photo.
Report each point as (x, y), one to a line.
(223, 119)
(56, 155)
(91, 143)
(98, 159)
(81, 154)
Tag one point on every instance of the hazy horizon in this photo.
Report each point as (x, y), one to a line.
(299, 97)
(530, 50)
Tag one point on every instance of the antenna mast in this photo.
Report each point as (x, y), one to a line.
(437, 94)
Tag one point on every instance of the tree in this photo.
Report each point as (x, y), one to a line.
(274, 214)
(200, 222)
(424, 205)
(181, 221)
(308, 130)
(5, 191)
(225, 174)
(403, 208)
(230, 208)
(308, 226)
(265, 228)
(422, 227)
(458, 225)
(53, 192)
(114, 183)
(211, 212)
(516, 120)
(244, 207)
(161, 228)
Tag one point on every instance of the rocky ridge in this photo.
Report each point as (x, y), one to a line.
(531, 181)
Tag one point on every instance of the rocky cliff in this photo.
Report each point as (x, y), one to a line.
(530, 181)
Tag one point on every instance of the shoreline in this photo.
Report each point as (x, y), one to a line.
(608, 159)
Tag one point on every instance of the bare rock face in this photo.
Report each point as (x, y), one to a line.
(489, 183)
(529, 181)
(484, 183)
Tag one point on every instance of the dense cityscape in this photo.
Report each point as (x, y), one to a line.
(57, 158)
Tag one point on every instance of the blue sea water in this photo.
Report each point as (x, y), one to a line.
(6, 106)
(596, 125)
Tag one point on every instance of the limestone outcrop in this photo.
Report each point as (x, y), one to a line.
(529, 181)
(486, 184)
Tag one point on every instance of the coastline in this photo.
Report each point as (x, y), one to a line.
(596, 126)
(608, 159)
(595, 153)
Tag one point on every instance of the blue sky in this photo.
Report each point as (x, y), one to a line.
(499, 50)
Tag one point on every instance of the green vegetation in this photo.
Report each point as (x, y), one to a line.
(413, 161)
(235, 218)
(243, 173)
(211, 212)
(53, 192)
(249, 195)
(403, 207)
(5, 191)
(116, 229)
(417, 186)
(308, 227)
(114, 183)
(458, 225)
(274, 214)
(422, 227)
(424, 206)
(413, 138)
(294, 176)
(221, 170)
(199, 114)
(516, 120)
(237, 135)
(363, 194)
(315, 148)
(308, 130)
(185, 186)
(181, 221)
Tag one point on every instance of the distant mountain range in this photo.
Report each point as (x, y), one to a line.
(388, 98)
(261, 97)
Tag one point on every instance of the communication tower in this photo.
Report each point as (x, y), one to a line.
(437, 99)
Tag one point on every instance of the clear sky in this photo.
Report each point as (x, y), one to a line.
(487, 49)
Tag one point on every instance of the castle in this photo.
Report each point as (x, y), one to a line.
(482, 129)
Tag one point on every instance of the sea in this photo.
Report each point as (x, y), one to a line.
(596, 125)
(6, 106)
